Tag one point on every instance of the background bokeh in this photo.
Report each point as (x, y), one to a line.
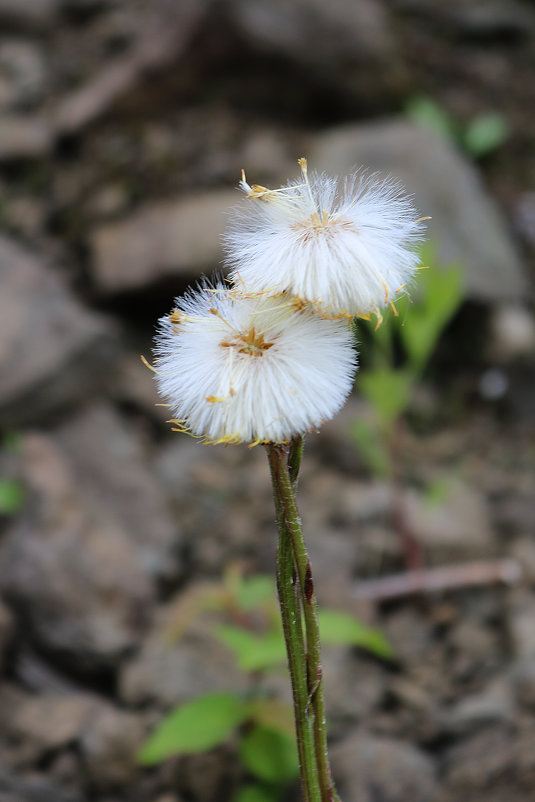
(124, 125)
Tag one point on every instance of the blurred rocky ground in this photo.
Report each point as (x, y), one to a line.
(123, 128)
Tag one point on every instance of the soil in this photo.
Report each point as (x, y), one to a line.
(111, 107)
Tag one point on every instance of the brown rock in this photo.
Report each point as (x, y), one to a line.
(51, 349)
(171, 673)
(24, 137)
(180, 238)
(367, 768)
(6, 630)
(81, 560)
(109, 745)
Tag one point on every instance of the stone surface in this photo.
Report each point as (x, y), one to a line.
(494, 705)
(7, 628)
(314, 33)
(458, 526)
(24, 137)
(180, 238)
(367, 768)
(82, 559)
(51, 348)
(170, 673)
(44, 723)
(28, 14)
(109, 745)
(22, 74)
(523, 681)
(466, 226)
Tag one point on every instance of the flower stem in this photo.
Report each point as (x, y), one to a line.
(293, 635)
(283, 472)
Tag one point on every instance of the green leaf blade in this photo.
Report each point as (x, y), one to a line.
(195, 726)
(343, 629)
(270, 755)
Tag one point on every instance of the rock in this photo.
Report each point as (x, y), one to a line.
(109, 746)
(42, 724)
(51, 348)
(24, 137)
(354, 687)
(492, 706)
(334, 38)
(28, 14)
(34, 787)
(457, 527)
(523, 681)
(520, 622)
(111, 466)
(491, 20)
(476, 648)
(368, 768)
(478, 763)
(512, 333)
(180, 238)
(161, 42)
(170, 673)
(82, 560)
(7, 628)
(466, 227)
(22, 74)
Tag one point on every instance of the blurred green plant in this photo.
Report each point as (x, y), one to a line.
(398, 354)
(262, 725)
(11, 496)
(480, 136)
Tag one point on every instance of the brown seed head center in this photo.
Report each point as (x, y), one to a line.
(250, 342)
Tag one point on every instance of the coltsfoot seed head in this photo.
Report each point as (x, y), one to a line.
(347, 248)
(240, 367)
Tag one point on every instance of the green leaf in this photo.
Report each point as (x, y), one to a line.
(371, 446)
(269, 755)
(258, 793)
(425, 112)
(388, 390)
(11, 496)
(195, 726)
(441, 293)
(253, 652)
(254, 590)
(343, 629)
(485, 133)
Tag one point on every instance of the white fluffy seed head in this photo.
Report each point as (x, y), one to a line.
(348, 248)
(238, 368)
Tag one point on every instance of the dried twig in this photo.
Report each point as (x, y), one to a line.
(481, 572)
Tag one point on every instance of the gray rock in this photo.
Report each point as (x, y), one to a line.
(466, 226)
(82, 559)
(6, 630)
(367, 768)
(315, 33)
(523, 681)
(110, 464)
(51, 348)
(521, 614)
(512, 333)
(170, 673)
(24, 136)
(457, 527)
(22, 74)
(179, 238)
(41, 724)
(28, 14)
(109, 745)
(492, 706)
